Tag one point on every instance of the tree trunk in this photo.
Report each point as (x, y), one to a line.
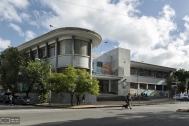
(71, 98)
(28, 91)
(187, 87)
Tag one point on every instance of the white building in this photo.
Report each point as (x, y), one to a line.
(114, 70)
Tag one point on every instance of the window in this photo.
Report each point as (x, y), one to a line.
(158, 74)
(81, 47)
(151, 86)
(143, 72)
(66, 46)
(51, 50)
(134, 85)
(133, 71)
(151, 73)
(142, 86)
(42, 52)
(34, 54)
(99, 64)
(158, 87)
(165, 74)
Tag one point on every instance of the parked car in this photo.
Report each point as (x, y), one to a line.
(23, 100)
(4, 97)
(177, 97)
(14, 98)
(184, 97)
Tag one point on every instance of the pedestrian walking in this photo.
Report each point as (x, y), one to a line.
(83, 98)
(129, 100)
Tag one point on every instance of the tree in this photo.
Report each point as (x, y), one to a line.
(9, 68)
(182, 76)
(181, 86)
(74, 81)
(169, 82)
(34, 76)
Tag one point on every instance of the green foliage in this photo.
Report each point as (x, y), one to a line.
(34, 76)
(74, 81)
(181, 86)
(181, 75)
(78, 79)
(86, 83)
(10, 63)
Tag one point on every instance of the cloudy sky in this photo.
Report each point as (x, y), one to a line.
(156, 31)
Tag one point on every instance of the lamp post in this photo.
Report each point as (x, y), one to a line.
(52, 26)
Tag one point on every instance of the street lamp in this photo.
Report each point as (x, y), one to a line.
(52, 26)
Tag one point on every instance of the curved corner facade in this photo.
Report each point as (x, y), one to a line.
(64, 46)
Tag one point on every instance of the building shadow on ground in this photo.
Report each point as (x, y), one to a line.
(165, 118)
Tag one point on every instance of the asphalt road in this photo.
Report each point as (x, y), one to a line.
(152, 115)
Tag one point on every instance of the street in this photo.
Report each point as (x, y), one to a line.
(152, 115)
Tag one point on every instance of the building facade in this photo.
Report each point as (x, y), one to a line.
(114, 70)
(118, 75)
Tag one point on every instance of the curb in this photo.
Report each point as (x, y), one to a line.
(98, 106)
(79, 107)
(182, 110)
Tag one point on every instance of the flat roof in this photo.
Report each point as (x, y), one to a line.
(151, 66)
(80, 32)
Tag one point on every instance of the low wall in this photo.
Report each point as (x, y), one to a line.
(62, 98)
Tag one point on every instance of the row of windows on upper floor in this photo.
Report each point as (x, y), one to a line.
(63, 47)
(143, 72)
(149, 72)
(150, 86)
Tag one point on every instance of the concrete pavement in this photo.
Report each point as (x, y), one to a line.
(152, 115)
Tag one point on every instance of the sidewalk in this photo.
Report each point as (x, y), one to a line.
(108, 104)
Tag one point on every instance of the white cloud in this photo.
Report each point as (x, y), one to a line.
(149, 38)
(186, 18)
(4, 43)
(30, 35)
(8, 9)
(17, 28)
(25, 16)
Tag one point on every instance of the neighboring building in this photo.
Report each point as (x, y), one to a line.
(117, 74)
(114, 70)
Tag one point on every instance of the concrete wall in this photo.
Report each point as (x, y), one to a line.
(120, 66)
(148, 80)
(81, 61)
(106, 67)
(124, 61)
(64, 60)
(62, 98)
